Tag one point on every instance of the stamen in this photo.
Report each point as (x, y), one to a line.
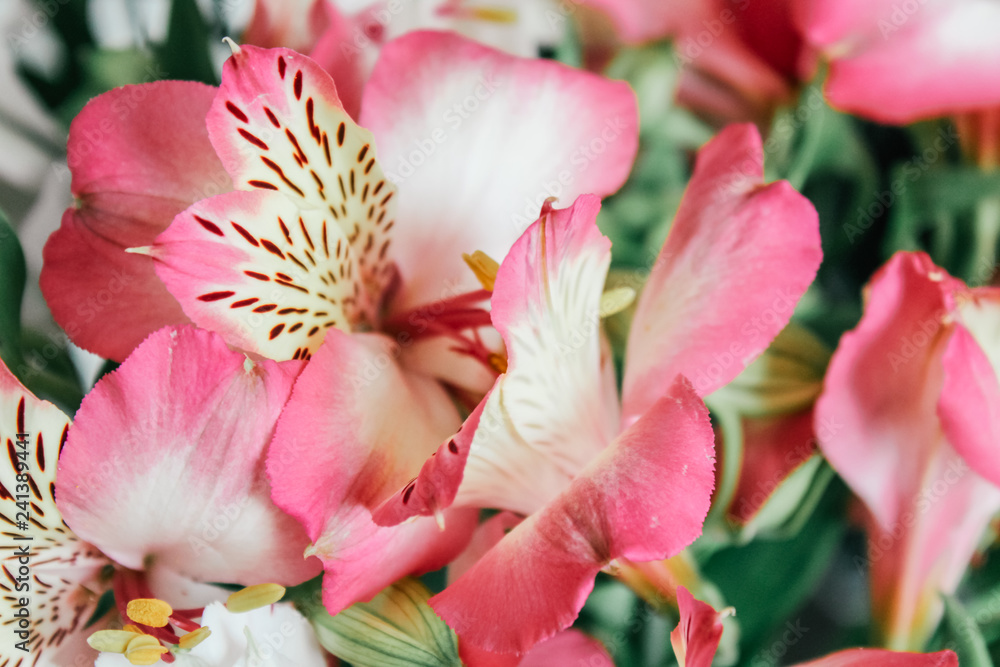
(149, 611)
(112, 641)
(616, 300)
(192, 639)
(144, 650)
(254, 597)
(233, 46)
(498, 362)
(485, 268)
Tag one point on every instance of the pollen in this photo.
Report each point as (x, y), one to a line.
(149, 611)
(254, 597)
(498, 362)
(485, 268)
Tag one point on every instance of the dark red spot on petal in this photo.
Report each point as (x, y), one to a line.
(243, 302)
(295, 327)
(271, 248)
(209, 225)
(266, 308)
(245, 234)
(235, 110)
(276, 331)
(341, 132)
(216, 296)
(271, 117)
(263, 185)
(452, 447)
(252, 139)
(362, 153)
(297, 87)
(281, 66)
(258, 276)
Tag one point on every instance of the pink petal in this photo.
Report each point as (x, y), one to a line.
(883, 383)
(278, 125)
(878, 426)
(870, 657)
(569, 647)
(171, 473)
(969, 407)
(296, 25)
(697, 635)
(473, 177)
(548, 416)
(739, 256)
(268, 276)
(139, 155)
(643, 498)
(899, 66)
(335, 457)
(62, 576)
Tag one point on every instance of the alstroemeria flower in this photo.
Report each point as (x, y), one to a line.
(902, 63)
(912, 397)
(162, 481)
(697, 635)
(542, 443)
(467, 153)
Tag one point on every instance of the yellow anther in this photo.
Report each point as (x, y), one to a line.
(616, 299)
(111, 641)
(254, 597)
(144, 650)
(192, 639)
(485, 268)
(498, 362)
(493, 14)
(149, 611)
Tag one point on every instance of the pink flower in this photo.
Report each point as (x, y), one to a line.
(162, 480)
(911, 404)
(315, 233)
(902, 62)
(697, 636)
(602, 481)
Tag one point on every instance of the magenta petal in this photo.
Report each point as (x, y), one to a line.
(569, 647)
(696, 637)
(644, 498)
(139, 156)
(739, 256)
(170, 473)
(336, 457)
(969, 407)
(871, 657)
(476, 140)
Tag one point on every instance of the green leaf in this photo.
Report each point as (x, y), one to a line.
(185, 54)
(13, 274)
(964, 636)
(396, 629)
